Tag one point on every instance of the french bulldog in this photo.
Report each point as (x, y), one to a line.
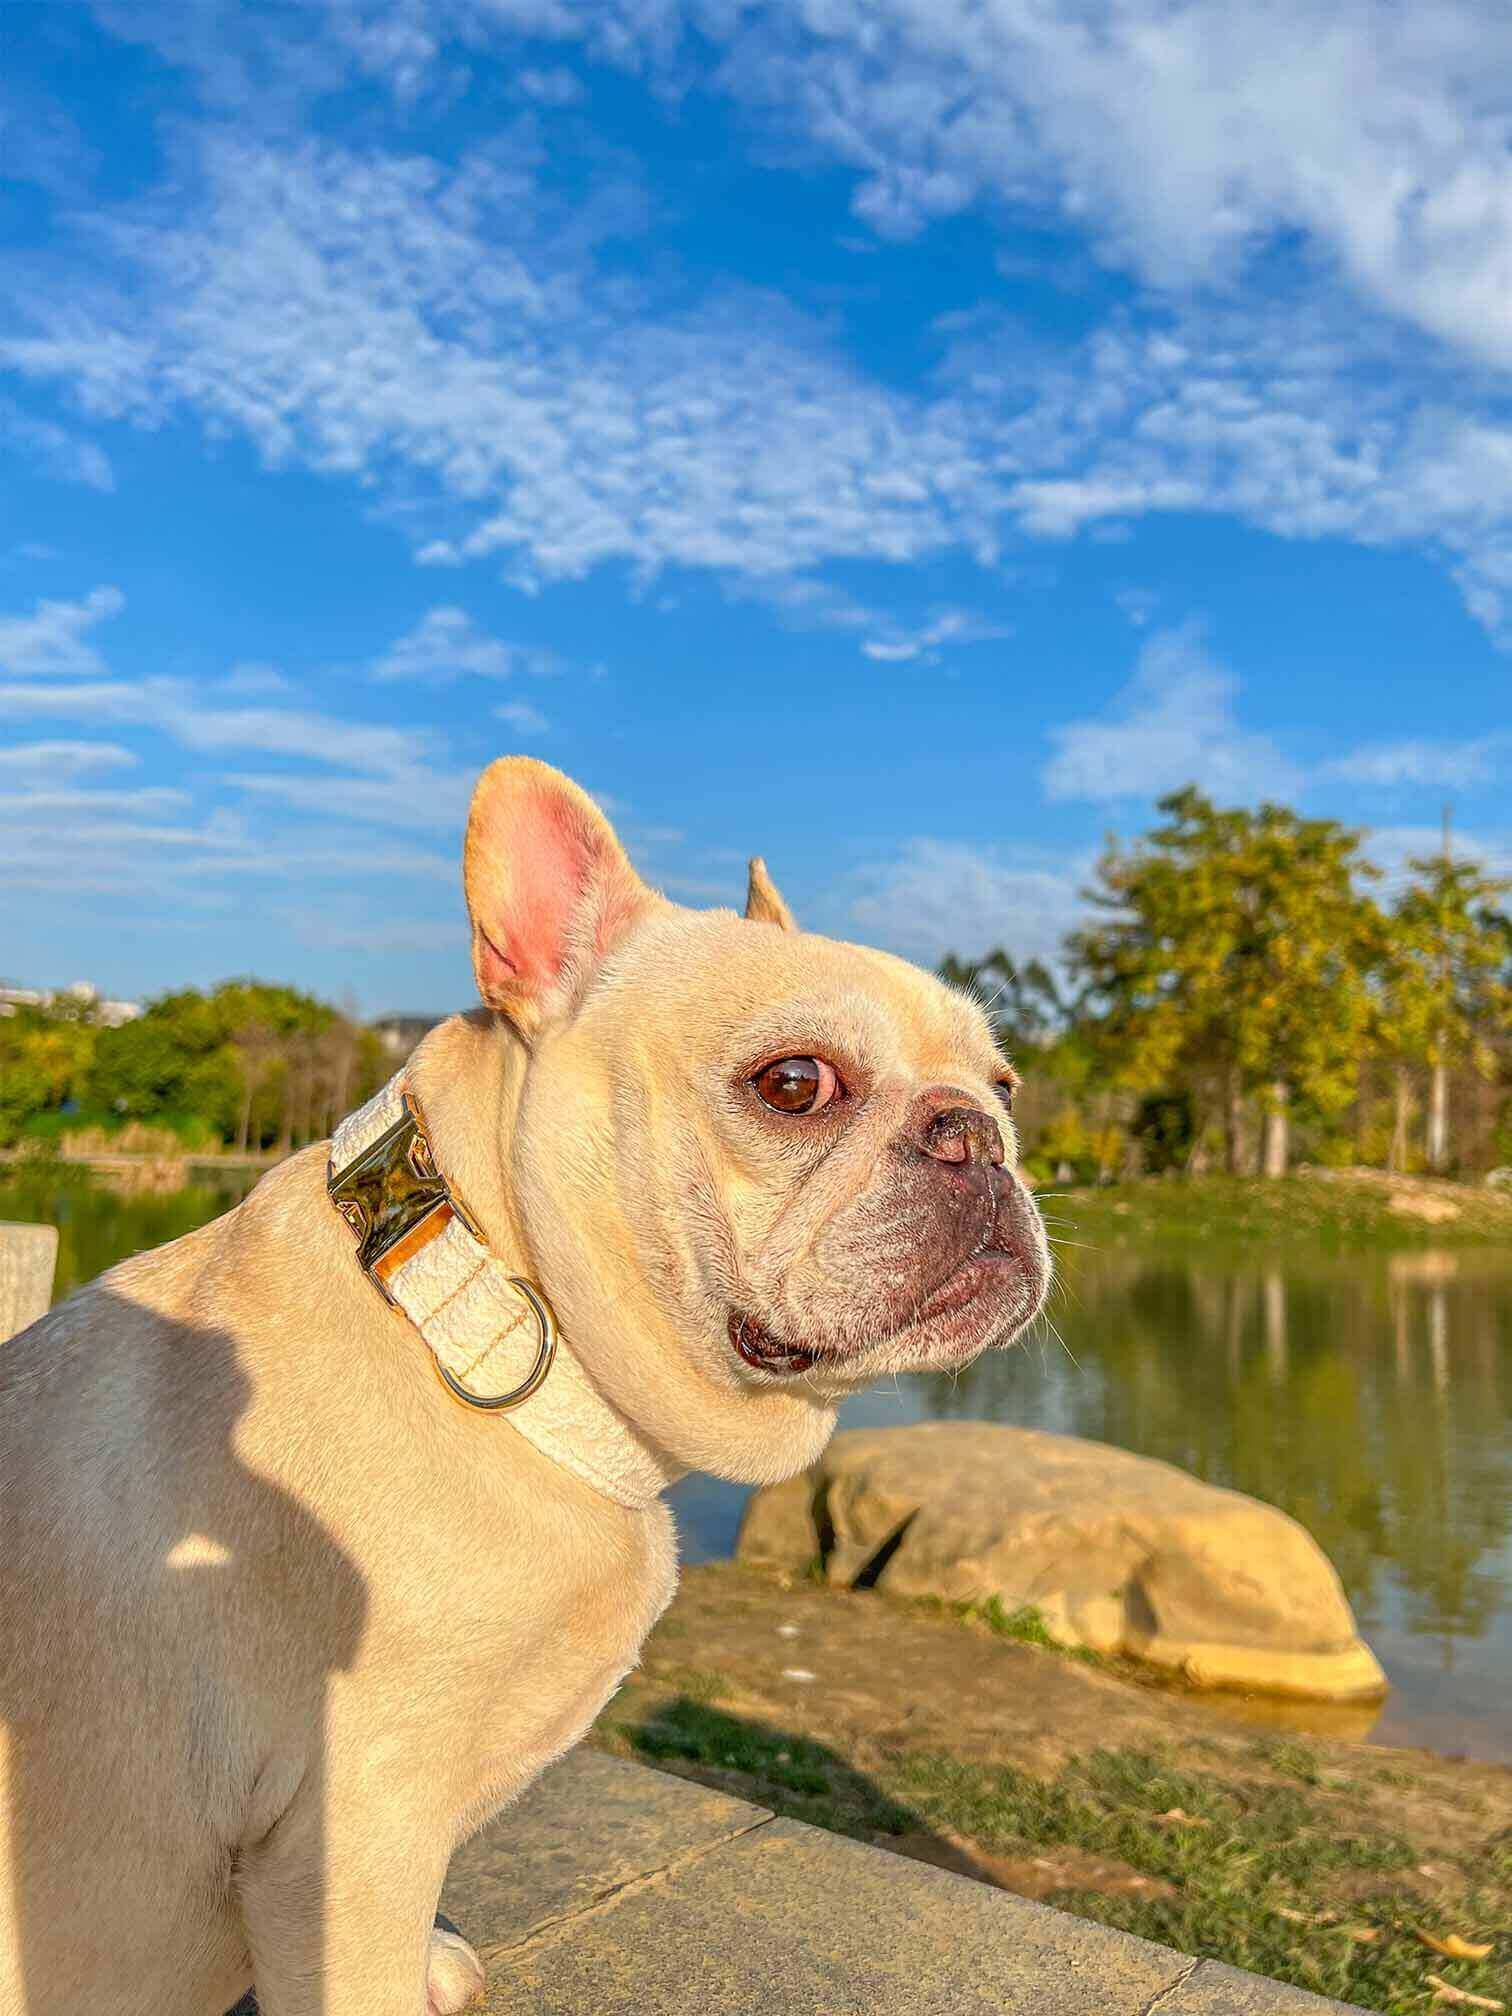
(284, 1615)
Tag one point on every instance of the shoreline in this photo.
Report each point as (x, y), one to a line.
(1330, 1209)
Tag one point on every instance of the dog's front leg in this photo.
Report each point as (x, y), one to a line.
(339, 1914)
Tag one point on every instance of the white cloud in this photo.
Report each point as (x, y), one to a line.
(256, 681)
(407, 795)
(109, 848)
(63, 759)
(64, 802)
(52, 642)
(898, 646)
(1394, 848)
(1139, 605)
(1455, 766)
(356, 770)
(364, 314)
(552, 86)
(1173, 725)
(522, 717)
(342, 788)
(414, 934)
(447, 644)
(940, 896)
(1185, 140)
(456, 338)
(468, 351)
(56, 450)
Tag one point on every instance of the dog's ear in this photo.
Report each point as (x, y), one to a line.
(764, 904)
(549, 889)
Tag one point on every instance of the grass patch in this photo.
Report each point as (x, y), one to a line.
(1292, 1759)
(1024, 1625)
(697, 1683)
(1269, 1876)
(795, 1776)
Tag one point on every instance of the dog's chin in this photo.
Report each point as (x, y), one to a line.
(986, 1302)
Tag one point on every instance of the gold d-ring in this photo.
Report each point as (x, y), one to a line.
(499, 1403)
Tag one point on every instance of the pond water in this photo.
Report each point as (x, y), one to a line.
(1368, 1394)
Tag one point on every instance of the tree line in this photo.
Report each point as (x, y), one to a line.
(245, 1066)
(1242, 989)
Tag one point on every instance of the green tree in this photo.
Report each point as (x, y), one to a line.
(1446, 982)
(44, 1062)
(1232, 954)
(252, 1062)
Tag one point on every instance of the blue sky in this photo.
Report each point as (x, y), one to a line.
(902, 439)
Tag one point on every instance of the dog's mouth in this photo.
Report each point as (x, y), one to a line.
(757, 1346)
(950, 1316)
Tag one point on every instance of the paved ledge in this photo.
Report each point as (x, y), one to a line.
(613, 1888)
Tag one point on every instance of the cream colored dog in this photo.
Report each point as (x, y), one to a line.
(280, 1620)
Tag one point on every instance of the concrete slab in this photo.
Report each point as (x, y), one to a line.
(589, 1825)
(614, 1890)
(785, 1917)
(1212, 1989)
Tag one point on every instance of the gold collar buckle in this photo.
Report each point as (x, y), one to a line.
(395, 1199)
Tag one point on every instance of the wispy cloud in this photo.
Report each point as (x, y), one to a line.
(952, 626)
(1454, 766)
(448, 644)
(53, 643)
(51, 760)
(347, 780)
(1395, 848)
(938, 896)
(1190, 140)
(1187, 142)
(533, 405)
(522, 717)
(62, 801)
(1174, 724)
(59, 452)
(560, 428)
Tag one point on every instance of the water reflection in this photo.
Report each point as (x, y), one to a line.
(98, 1225)
(1369, 1396)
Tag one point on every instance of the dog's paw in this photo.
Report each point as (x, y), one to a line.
(454, 1980)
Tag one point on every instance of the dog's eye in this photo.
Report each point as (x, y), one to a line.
(1005, 1088)
(797, 1084)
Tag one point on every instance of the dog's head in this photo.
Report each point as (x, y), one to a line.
(757, 1168)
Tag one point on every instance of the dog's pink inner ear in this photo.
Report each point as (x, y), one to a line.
(548, 885)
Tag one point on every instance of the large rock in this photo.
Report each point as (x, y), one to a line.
(1117, 1553)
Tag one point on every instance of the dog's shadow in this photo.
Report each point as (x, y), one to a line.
(792, 1775)
(136, 1715)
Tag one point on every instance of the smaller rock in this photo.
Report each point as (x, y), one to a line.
(1115, 1552)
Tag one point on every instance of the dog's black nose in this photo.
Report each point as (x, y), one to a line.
(963, 1134)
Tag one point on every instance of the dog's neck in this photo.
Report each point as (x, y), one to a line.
(467, 1075)
(463, 1296)
(470, 1076)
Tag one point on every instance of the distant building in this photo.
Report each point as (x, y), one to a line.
(400, 1033)
(94, 1006)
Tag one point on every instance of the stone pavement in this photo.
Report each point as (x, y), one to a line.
(613, 1889)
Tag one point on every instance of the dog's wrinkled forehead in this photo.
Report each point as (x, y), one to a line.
(740, 992)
